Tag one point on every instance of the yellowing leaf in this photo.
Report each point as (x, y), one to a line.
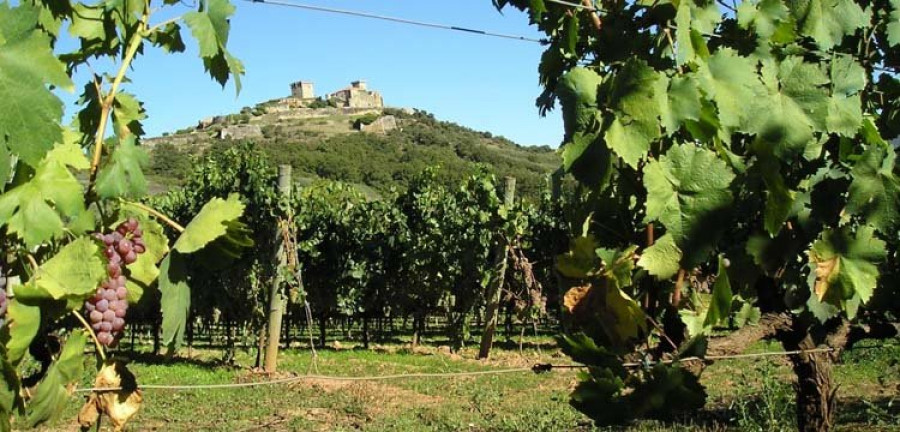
(209, 224)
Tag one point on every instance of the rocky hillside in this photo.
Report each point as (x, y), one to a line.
(374, 148)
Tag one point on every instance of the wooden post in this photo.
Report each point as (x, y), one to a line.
(490, 314)
(276, 302)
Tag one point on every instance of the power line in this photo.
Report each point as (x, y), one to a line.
(396, 20)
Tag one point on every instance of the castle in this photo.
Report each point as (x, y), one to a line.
(357, 95)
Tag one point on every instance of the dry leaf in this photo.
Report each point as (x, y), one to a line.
(118, 405)
(824, 270)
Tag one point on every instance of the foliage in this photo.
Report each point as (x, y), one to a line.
(755, 131)
(47, 214)
(379, 162)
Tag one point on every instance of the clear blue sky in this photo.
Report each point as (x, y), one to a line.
(481, 82)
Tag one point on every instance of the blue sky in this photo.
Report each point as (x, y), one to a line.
(480, 82)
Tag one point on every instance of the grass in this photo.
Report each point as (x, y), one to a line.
(745, 395)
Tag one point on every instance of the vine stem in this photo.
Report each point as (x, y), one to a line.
(90, 330)
(598, 24)
(676, 296)
(110, 97)
(156, 213)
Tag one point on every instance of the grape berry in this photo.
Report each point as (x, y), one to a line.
(106, 309)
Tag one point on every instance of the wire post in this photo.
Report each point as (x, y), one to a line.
(276, 302)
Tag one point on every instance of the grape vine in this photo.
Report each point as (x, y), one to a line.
(52, 266)
(743, 144)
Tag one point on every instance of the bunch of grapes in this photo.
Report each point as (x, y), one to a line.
(106, 309)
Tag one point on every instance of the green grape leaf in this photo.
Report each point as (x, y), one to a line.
(779, 199)
(893, 26)
(209, 224)
(662, 259)
(618, 265)
(688, 191)
(175, 299)
(588, 159)
(668, 391)
(585, 350)
(770, 19)
(845, 105)
(24, 322)
(144, 272)
(127, 114)
(874, 193)
(846, 266)
(74, 272)
(168, 38)
(720, 303)
(54, 390)
(577, 94)
(37, 211)
(622, 317)
(10, 388)
(29, 111)
(210, 26)
(88, 22)
(680, 102)
(747, 315)
(122, 174)
(581, 260)
(632, 100)
(691, 20)
(828, 21)
(797, 105)
(731, 81)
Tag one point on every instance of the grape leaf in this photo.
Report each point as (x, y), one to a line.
(144, 272)
(632, 100)
(779, 199)
(770, 19)
(35, 210)
(875, 191)
(581, 260)
(846, 265)
(24, 322)
(845, 105)
(720, 303)
(828, 21)
(29, 111)
(127, 115)
(662, 259)
(54, 390)
(122, 174)
(688, 191)
(730, 80)
(74, 272)
(175, 300)
(209, 224)
(210, 26)
(893, 26)
(692, 19)
(679, 100)
(10, 388)
(797, 104)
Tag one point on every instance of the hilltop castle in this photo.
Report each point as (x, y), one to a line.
(357, 95)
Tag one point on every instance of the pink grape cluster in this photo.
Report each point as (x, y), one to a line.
(107, 308)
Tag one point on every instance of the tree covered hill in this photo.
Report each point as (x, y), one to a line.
(326, 143)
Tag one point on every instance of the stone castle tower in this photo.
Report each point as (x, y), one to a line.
(303, 90)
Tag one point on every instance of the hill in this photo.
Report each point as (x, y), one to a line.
(375, 148)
